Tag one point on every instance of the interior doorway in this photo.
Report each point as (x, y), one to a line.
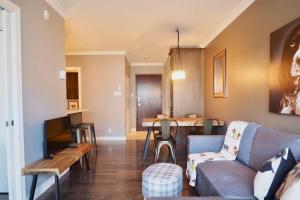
(3, 129)
(148, 98)
(11, 108)
(73, 88)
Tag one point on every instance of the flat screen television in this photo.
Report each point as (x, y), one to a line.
(56, 135)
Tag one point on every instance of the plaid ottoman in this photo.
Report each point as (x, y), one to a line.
(162, 180)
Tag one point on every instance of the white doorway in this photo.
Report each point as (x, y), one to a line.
(3, 128)
(11, 108)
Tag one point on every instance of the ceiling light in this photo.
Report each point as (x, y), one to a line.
(177, 72)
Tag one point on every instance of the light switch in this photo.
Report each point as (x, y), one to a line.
(62, 74)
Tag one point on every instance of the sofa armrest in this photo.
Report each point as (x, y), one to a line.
(205, 143)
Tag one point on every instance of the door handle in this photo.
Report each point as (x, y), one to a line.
(138, 99)
(139, 104)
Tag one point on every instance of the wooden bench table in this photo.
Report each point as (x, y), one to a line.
(62, 161)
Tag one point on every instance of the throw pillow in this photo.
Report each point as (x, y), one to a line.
(272, 173)
(289, 189)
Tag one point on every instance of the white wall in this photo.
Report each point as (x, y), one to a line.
(44, 94)
(3, 132)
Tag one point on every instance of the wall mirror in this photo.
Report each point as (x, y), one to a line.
(219, 74)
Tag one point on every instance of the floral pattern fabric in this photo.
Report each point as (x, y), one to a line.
(229, 151)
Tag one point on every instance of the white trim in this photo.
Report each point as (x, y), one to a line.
(111, 138)
(133, 129)
(96, 53)
(17, 185)
(57, 7)
(227, 21)
(147, 64)
(46, 185)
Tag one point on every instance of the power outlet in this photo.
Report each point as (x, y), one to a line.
(109, 130)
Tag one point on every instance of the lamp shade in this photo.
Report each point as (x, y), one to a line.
(178, 74)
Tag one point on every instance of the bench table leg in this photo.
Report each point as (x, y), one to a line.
(33, 186)
(86, 162)
(57, 194)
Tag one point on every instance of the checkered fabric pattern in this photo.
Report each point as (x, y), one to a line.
(162, 180)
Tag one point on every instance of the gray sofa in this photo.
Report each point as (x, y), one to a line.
(233, 180)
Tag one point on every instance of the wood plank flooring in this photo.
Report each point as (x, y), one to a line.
(116, 173)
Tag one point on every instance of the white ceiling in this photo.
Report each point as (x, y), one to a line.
(146, 28)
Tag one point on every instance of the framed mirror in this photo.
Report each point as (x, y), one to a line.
(219, 74)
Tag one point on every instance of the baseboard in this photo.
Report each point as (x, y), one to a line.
(45, 186)
(133, 129)
(111, 138)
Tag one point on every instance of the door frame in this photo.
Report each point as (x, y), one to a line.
(78, 70)
(15, 139)
(135, 98)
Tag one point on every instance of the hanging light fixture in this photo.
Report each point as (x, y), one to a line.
(177, 72)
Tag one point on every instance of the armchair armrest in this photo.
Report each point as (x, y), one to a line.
(205, 143)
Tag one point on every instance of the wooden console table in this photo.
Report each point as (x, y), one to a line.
(56, 166)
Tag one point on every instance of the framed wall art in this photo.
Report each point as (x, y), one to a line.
(284, 95)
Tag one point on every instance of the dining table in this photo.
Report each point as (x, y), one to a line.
(181, 121)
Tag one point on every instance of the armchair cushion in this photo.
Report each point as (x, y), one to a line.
(195, 158)
(228, 179)
(205, 143)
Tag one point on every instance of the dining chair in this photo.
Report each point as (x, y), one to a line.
(163, 116)
(191, 115)
(156, 130)
(168, 129)
(207, 126)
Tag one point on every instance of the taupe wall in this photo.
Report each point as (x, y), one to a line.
(247, 44)
(188, 93)
(101, 77)
(43, 55)
(127, 95)
(135, 70)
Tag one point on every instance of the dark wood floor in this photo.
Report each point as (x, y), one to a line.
(116, 173)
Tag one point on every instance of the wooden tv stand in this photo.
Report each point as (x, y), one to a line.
(56, 166)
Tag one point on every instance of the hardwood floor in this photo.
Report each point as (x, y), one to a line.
(116, 173)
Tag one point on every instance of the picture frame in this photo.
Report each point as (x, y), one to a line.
(73, 105)
(219, 75)
(284, 70)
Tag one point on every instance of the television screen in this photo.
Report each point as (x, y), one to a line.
(56, 135)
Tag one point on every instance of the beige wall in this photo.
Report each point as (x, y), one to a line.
(101, 77)
(188, 93)
(43, 55)
(135, 70)
(247, 43)
(127, 95)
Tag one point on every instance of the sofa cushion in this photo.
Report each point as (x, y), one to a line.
(269, 142)
(186, 198)
(246, 143)
(228, 179)
(272, 173)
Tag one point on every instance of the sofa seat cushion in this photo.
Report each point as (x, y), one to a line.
(228, 179)
(186, 198)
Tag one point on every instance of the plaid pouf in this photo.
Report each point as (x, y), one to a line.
(162, 180)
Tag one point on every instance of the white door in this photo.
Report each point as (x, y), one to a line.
(4, 109)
